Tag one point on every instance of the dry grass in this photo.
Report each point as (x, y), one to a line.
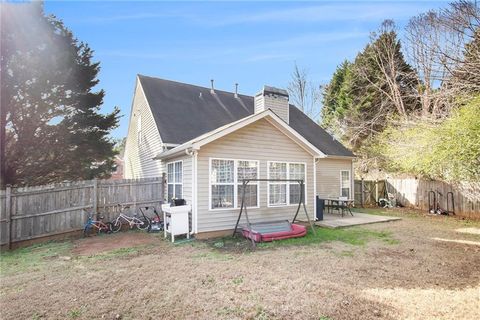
(413, 276)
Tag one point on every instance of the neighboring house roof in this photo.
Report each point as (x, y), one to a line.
(183, 112)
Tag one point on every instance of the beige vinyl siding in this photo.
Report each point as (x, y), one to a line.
(258, 141)
(138, 158)
(187, 176)
(328, 176)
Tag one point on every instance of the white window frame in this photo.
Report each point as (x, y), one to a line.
(235, 183)
(349, 184)
(288, 204)
(174, 183)
(239, 183)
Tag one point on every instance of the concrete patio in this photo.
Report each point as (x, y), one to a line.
(337, 221)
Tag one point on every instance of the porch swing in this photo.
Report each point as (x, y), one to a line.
(273, 230)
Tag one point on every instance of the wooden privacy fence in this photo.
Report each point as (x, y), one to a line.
(367, 192)
(414, 193)
(34, 212)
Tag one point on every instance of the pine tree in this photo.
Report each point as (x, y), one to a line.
(362, 96)
(337, 99)
(54, 128)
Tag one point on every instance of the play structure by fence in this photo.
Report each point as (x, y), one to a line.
(463, 198)
(35, 212)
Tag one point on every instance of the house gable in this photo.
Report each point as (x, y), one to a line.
(143, 139)
(218, 133)
(259, 141)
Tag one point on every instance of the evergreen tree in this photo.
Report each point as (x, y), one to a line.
(54, 130)
(362, 96)
(337, 99)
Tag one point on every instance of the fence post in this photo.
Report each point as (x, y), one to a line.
(95, 198)
(8, 212)
(162, 187)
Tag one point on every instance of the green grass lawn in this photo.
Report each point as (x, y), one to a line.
(21, 260)
(356, 236)
(38, 256)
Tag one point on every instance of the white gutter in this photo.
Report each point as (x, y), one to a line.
(336, 157)
(174, 152)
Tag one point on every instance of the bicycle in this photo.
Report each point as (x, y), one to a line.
(96, 226)
(141, 223)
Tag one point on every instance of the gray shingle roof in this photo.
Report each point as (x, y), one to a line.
(183, 112)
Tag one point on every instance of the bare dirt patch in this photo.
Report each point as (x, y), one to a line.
(414, 277)
(103, 243)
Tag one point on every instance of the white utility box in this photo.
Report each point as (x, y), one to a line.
(175, 220)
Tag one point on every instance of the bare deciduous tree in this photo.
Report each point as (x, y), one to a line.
(436, 46)
(304, 93)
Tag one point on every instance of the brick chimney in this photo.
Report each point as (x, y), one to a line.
(274, 99)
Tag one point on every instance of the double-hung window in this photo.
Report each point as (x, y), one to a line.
(175, 180)
(222, 179)
(281, 193)
(277, 190)
(247, 170)
(296, 172)
(345, 184)
(226, 183)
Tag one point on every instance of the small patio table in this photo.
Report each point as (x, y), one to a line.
(339, 204)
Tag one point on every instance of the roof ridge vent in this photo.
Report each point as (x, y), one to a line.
(212, 90)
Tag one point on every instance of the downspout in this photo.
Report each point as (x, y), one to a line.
(315, 160)
(193, 154)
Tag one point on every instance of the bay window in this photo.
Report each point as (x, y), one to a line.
(174, 180)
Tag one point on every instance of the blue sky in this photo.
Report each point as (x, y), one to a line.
(252, 43)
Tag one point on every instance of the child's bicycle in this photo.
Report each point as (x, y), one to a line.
(141, 223)
(93, 226)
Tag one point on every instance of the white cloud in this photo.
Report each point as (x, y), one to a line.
(324, 12)
(340, 11)
(280, 49)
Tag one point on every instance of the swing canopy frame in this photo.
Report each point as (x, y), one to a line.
(243, 207)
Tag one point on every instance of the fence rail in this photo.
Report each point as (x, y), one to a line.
(414, 193)
(33, 212)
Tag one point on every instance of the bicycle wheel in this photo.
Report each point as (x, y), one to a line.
(116, 225)
(142, 223)
(109, 226)
(88, 230)
(105, 227)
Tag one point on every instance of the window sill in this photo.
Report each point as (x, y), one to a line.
(232, 208)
